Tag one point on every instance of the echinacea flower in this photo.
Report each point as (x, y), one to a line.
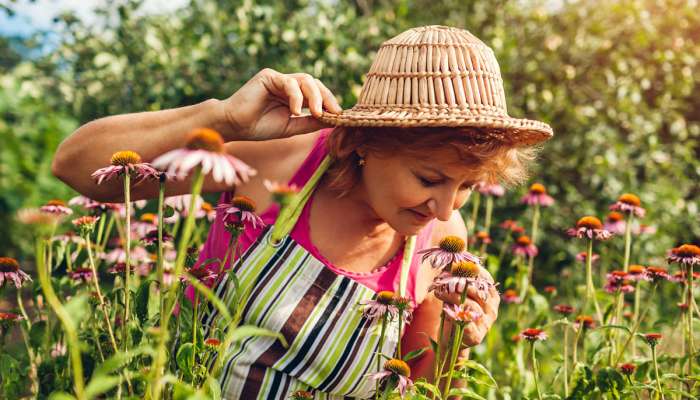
(6, 317)
(202, 274)
(405, 306)
(583, 255)
(212, 343)
(657, 273)
(85, 224)
(642, 229)
(126, 162)
(510, 296)
(81, 274)
(282, 194)
(533, 334)
(395, 369)
(652, 338)
(57, 207)
(629, 203)
(511, 225)
(462, 314)
(589, 227)
(379, 307)
(35, 217)
(301, 395)
(151, 238)
(585, 321)
(618, 282)
(537, 195)
(627, 368)
(483, 237)
(687, 254)
(638, 273)
(615, 223)
(462, 274)
(205, 147)
(208, 211)
(11, 272)
(523, 246)
(117, 268)
(450, 249)
(487, 189)
(240, 211)
(550, 289)
(563, 309)
(57, 350)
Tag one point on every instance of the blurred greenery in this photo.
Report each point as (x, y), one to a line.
(618, 81)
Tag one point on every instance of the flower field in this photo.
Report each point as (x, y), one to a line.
(110, 314)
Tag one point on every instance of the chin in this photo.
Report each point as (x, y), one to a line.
(409, 228)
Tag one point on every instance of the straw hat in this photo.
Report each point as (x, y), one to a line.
(438, 76)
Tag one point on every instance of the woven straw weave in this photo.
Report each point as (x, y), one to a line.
(438, 76)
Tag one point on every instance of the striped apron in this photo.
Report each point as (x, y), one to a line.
(332, 347)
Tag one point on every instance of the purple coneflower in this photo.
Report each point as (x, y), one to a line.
(450, 249)
(397, 370)
(589, 227)
(85, 224)
(381, 306)
(202, 274)
(56, 207)
(629, 203)
(563, 309)
(126, 162)
(240, 211)
(533, 334)
(34, 216)
(11, 272)
(512, 225)
(585, 321)
(615, 223)
(483, 237)
(642, 229)
(205, 147)
(638, 273)
(627, 368)
(151, 238)
(301, 395)
(10, 317)
(81, 274)
(462, 274)
(510, 296)
(582, 257)
(550, 290)
(537, 195)
(523, 246)
(687, 254)
(487, 189)
(658, 273)
(618, 282)
(462, 314)
(282, 193)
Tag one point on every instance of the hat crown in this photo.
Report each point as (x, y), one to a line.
(436, 67)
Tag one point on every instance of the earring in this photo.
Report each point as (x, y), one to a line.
(361, 161)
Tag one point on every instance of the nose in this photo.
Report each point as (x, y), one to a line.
(443, 203)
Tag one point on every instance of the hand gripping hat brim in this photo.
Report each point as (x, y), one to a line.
(438, 76)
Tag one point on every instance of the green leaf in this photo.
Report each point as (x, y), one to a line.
(37, 334)
(429, 387)
(465, 393)
(61, 396)
(212, 388)
(77, 308)
(414, 354)
(185, 358)
(471, 364)
(209, 295)
(141, 301)
(119, 360)
(101, 384)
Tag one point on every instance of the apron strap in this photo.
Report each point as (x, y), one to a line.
(289, 215)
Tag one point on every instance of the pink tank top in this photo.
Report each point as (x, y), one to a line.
(385, 277)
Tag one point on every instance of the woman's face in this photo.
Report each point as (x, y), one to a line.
(409, 192)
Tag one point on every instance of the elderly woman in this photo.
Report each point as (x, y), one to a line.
(379, 183)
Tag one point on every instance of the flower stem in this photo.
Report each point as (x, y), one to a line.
(656, 373)
(534, 231)
(534, 370)
(566, 361)
(629, 379)
(25, 337)
(458, 332)
(437, 370)
(100, 298)
(489, 212)
(171, 294)
(398, 344)
(635, 328)
(127, 267)
(637, 301)
(471, 224)
(195, 307)
(379, 358)
(64, 317)
(690, 348)
(159, 261)
(590, 289)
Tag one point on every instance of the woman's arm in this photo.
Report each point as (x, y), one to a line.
(268, 106)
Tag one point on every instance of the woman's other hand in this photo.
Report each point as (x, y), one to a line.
(474, 333)
(269, 106)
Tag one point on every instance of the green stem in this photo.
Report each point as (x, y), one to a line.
(690, 350)
(637, 302)
(628, 241)
(534, 230)
(100, 298)
(629, 380)
(398, 344)
(379, 358)
(25, 337)
(456, 341)
(471, 224)
(656, 373)
(194, 324)
(159, 263)
(64, 317)
(534, 370)
(127, 267)
(489, 212)
(590, 288)
(635, 328)
(170, 295)
(566, 361)
(436, 368)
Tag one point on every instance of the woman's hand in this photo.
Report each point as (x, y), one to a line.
(474, 333)
(269, 105)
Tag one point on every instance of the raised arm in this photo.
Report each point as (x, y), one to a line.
(268, 106)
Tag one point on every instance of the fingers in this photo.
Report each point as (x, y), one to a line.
(329, 101)
(312, 93)
(302, 89)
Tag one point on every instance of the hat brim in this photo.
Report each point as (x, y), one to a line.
(515, 131)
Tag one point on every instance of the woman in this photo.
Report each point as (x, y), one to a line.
(388, 181)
